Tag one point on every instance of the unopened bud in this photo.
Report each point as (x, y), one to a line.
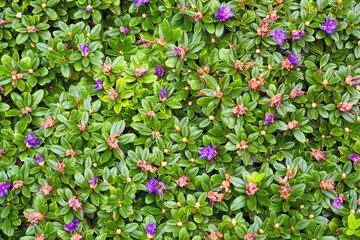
(50, 49)
(118, 231)
(189, 70)
(43, 5)
(128, 179)
(311, 216)
(192, 160)
(257, 50)
(163, 211)
(277, 225)
(263, 133)
(177, 128)
(144, 15)
(211, 117)
(88, 35)
(187, 88)
(352, 212)
(41, 164)
(261, 231)
(213, 40)
(324, 83)
(95, 165)
(307, 23)
(174, 70)
(270, 68)
(301, 206)
(166, 151)
(323, 136)
(90, 111)
(184, 139)
(193, 6)
(288, 167)
(233, 222)
(347, 130)
(163, 164)
(343, 176)
(313, 105)
(190, 103)
(179, 224)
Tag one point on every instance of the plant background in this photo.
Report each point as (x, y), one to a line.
(46, 71)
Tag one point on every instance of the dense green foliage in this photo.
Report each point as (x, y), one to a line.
(254, 131)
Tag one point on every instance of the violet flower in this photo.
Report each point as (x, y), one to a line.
(279, 36)
(124, 30)
(151, 185)
(159, 71)
(294, 58)
(224, 13)
(89, 8)
(138, 2)
(297, 34)
(151, 230)
(38, 159)
(330, 26)
(208, 152)
(4, 189)
(84, 49)
(337, 203)
(99, 85)
(32, 141)
(72, 226)
(163, 93)
(355, 158)
(269, 119)
(93, 182)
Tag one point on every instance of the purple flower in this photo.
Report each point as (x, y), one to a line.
(99, 84)
(89, 8)
(337, 203)
(224, 13)
(293, 58)
(269, 119)
(4, 189)
(354, 157)
(297, 34)
(151, 185)
(151, 229)
(138, 2)
(163, 94)
(72, 226)
(330, 26)
(93, 182)
(208, 152)
(38, 159)
(32, 141)
(124, 30)
(84, 49)
(279, 36)
(159, 71)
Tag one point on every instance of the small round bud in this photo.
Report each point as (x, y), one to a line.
(298, 69)
(177, 128)
(163, 164)
(311, 216)
(70, 34)
(174, 70)
(32, 45)
(347, 130)
(189, 70)
(166, 151)
(263, 133)
(88, 35)
(261, 231)
(184, 139)
(30, 71)
(270, 68)
(192, 160)
(50, 49)
(211, 117)
(357, 88)
(105, 181)
(343, 176)
(41, 164)
(8, 203)
(43, 5)
(95, 165)
(352, 212)
(193, 6)
(233, 222)
(18, 15)
(110, 28)
(292, 228)
(323, 136)
(128, 179)
(118, 231)
(307, 141)
(258, 50)
(179, 204)
(190, 103)
(301, 206)
(179, 224)
(49, 68)
(121, 52)
(358, 119)
(227, 135)
(288, 167)
(197, 205)
(213, 40)
(324, 83)
(163, 211)
(307, 23)
(277, 225)
(58, 105)
(313, 105)
(144, 15)
(187, 88)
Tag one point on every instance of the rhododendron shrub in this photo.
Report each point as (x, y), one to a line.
(149, 119)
